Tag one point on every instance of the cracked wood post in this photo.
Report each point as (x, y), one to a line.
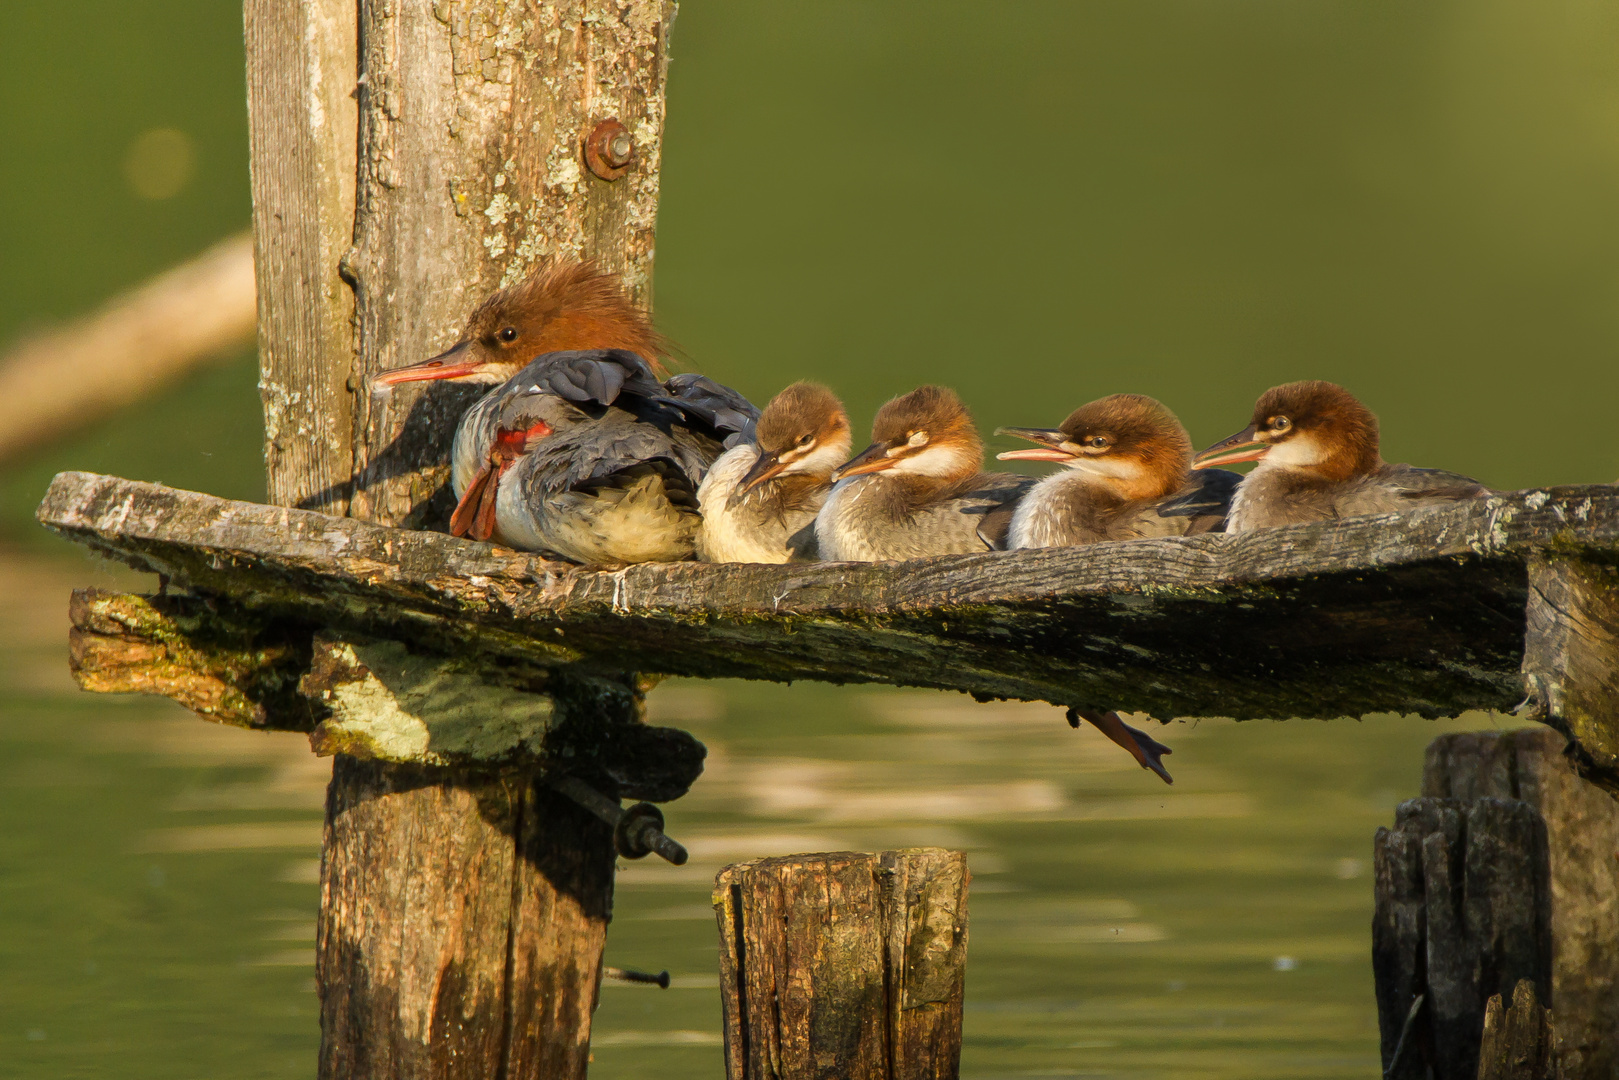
(1582, 834)
(410, 156)
(843, 965)
(1462, 913)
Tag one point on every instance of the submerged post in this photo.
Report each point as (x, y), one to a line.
(844, 964)
(409, 157)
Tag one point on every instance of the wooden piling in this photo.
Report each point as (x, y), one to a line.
(1506, 870)
(1582, 834)
(844, 964)
(409, 157)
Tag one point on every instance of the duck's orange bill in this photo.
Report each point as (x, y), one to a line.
(1243, 446)
(873, 458)
(454, 363)
(1050, 440)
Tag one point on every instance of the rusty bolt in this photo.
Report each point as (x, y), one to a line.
(609, 150)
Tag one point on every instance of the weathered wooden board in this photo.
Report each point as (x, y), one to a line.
(1422, 614)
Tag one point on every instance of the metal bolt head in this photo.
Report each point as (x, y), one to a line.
(609, 150)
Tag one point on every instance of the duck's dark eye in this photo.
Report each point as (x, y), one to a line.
(509, 334)
(806, 440)
(1101, 442)
(1280, 423)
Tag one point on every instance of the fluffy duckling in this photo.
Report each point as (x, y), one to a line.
(919, 488)
(1318, 461)
(1128, 476)
(760, 499)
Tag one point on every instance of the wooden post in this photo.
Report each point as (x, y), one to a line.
(1518, 1041)
(1571, 656)
(845, 964)
(1582, 833)
(409, 157)
(1461, 914)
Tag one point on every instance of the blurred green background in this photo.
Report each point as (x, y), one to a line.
(1038, 203)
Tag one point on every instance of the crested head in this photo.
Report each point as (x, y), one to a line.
(1318, 427)
(927, 432)
(565, 304)
(802, 432)
(1128, 443)
(1313, 428)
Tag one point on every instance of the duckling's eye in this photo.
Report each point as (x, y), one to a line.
(805, 440)
(509, 334)
(917, 438)
(1101, 442)
(1280, 423)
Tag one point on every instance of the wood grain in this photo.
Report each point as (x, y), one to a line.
(844, 964)
(410, 156)
(1478, 871)
(1519, 1043)
(301, 80)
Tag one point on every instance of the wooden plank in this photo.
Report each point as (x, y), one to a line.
(1329, 620)
(843, 964)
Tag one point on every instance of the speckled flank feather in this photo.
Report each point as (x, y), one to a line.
(1068, 509)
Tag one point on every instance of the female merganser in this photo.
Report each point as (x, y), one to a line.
(579, 449)
(760, 499)
(1128, 476)
(918, 489)
(563, 306)
(1318, 461)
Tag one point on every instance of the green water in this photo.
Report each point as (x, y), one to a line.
(1036, 203)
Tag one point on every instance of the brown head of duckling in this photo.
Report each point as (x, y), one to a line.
(563, 305)
(1314, 427)
(802, 432)
(1128, 443)
(926, 433)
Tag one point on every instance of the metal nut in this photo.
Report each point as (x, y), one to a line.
(609, 150)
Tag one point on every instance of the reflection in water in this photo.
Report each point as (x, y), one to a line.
(1218, 928)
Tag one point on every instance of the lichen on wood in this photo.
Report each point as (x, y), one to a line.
(379, 700)
(389, 704)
